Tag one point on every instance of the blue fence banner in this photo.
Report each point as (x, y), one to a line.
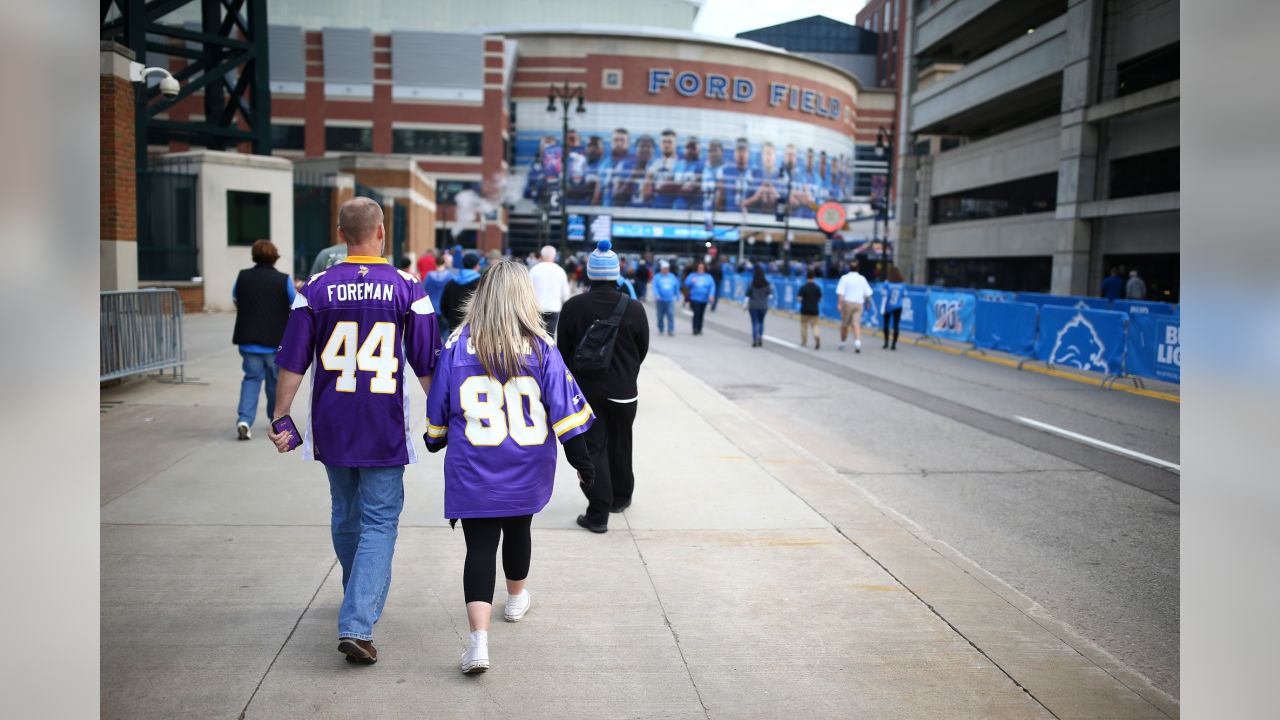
(951, 315)
(915, 311)
(1153, 349)
(1143, 307)
(996, 296)
(871, 317)
(1006, 326)
(1090, 340)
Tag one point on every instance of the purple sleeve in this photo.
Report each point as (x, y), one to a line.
(298, 346)
(421, 333)
(438, 405)
(567, 409)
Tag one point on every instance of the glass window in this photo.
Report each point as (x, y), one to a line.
(1154, 68)
(435, 142)
(288, 137)
(248, 217)
(348, 139)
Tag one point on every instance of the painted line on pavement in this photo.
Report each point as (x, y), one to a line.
(1099, 443)
(783, 343)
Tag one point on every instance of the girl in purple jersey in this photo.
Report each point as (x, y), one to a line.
(500, 387)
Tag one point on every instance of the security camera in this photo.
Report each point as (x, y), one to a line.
(169, 87)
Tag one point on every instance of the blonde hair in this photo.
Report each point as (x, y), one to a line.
(505, 320)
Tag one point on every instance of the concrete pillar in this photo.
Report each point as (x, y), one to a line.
(117, 173)
(1078, 150)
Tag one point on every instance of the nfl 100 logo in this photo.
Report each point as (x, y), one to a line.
(947, 316)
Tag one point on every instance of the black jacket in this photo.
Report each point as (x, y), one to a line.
(454, 298)
(262, 306)
(619, 380)
(810, 295)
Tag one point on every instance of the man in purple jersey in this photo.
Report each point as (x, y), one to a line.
(360, 319)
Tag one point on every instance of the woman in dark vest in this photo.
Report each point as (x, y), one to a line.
(262, 296)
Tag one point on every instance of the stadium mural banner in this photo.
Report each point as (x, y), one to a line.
(698, 167)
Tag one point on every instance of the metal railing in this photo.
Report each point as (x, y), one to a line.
(140, 331)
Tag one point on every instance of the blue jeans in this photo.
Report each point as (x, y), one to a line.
(257, 367)
(366, 520)
(666, 315)
(757, 324)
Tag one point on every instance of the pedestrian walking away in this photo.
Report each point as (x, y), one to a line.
(666, 291)
(551, 285)
(262, 296)
(756, 301)
(499, 386)
(359, 322)
(810, 298)
(717, 276)
(1136, 288)
(853, 292)
(434, 282)
(453, 299)
(702, 290)
(604, 337)
(891, 307)
(1113, 285)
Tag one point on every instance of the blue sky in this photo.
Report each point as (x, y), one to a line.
(727, 18)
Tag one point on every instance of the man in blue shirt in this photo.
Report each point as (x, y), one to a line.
(620, 151)
(711, 176)
(1113, 285)
(666, 289)
(630, 177)
(702, 290)
(661, 177)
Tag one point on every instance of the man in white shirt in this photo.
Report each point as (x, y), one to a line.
(853, 292)
(551, 285)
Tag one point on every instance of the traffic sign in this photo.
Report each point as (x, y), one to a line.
(830, 217)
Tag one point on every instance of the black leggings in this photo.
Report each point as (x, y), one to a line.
(893, 317)
(480, 569)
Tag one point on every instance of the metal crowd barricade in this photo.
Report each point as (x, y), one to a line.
(140, 331)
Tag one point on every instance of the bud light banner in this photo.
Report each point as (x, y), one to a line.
(1090, 340)
(951, 315)
(1006, 326)
(1142, 307)
(1153, 348)
(996, 296)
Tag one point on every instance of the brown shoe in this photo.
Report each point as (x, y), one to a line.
(358, 651)
(817, 343)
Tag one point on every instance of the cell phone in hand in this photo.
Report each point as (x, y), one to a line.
(285, 424)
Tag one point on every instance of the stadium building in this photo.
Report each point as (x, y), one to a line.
(683, 139)
(1044, 144)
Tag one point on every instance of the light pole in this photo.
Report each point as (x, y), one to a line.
(565, 94)
(884, 144)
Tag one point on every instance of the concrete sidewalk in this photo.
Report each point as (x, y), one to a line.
(748, 580)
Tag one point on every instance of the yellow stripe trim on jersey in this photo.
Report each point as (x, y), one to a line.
(436, 431)
(366, 259)
(577, 419)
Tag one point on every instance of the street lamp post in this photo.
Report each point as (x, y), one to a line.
(884, 144)
(565, 94)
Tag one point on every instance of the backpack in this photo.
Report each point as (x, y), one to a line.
(595, 349)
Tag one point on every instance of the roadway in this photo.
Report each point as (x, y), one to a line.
(1061, 489)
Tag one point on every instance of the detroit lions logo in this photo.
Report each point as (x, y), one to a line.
(1079, 346)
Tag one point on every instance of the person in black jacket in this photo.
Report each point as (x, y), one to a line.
(262, 296)
(453, 301)
(612, 392)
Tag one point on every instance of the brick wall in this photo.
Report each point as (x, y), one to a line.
(117, 198)
(192, 299)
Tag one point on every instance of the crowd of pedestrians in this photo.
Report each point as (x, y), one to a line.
(511, 361)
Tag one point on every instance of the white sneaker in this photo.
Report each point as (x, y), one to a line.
(242, 429)
(517, 606)
(475, 659)
(857, 346)
(840, 346)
